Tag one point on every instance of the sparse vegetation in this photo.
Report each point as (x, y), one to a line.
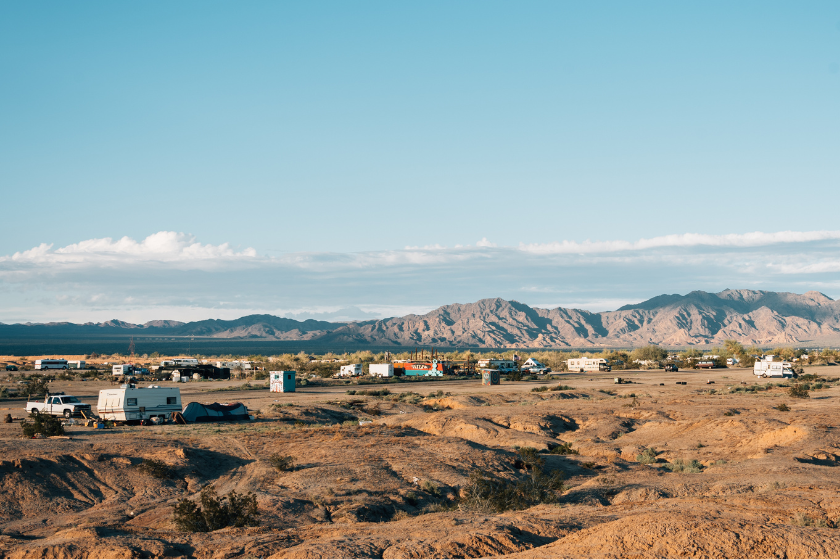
(564, 449)
(155, 468)
(370, 392)
(486, 493)
(541, 389)
(215, 512)
(798, 392)
(682, 466)
(283, 463)
(647, 456)
(561, 388)
(44, 424)
(783, 407)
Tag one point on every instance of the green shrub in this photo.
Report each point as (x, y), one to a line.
(44, 424)
(372, 392)
(530, 458)
(564, 449)
(647, 456)
(37, 386)
(430, 487)
(282, 463)
(679, 465)
(216, 513)
(542, 389)
(260, 375)
(798, 392)
(155, 468)
(783, 407)
(561, 388)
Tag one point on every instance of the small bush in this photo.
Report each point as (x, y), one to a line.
(216, 513)
(430, 487)
(564, 449)
(530, 458)
(679, 465)
(802, 520)
(647, 456)
(283, 463)
(486, 493)
(44, 424)
(561, 388)
(155, 468)
(798, 392)
(783, 407)
(542, 389)
(372, 392)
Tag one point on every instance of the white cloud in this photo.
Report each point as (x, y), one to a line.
(164, 247)
(754, 239)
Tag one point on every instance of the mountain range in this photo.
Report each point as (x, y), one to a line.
(698, 318)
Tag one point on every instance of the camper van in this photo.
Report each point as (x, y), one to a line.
(130, 403)
(768, 367)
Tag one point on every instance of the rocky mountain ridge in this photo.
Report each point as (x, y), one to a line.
(697, 318)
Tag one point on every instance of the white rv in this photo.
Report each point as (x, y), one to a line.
(130, 403)
(350, 370)
(768, 367)
(588, 364)
(51, 364)
(122, 369)
(76, 364)
(382, 370)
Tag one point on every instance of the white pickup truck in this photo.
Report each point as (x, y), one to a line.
(60, 405)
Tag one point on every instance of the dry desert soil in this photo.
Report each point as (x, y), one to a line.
(391, 488)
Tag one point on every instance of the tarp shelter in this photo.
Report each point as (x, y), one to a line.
(228, 412)
(282, 382)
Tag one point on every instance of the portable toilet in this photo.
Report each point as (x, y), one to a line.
(282, 382)
(490, 377)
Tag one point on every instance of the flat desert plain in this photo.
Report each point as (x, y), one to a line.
(767, 481)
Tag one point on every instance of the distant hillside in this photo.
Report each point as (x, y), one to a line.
(698, 318)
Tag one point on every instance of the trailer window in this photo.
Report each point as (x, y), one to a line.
(171, 400)
(130, 402)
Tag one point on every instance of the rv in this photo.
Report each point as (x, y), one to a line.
(76, 364)
(130, 403)
(504, 366)
(350, 370)
(588, 364)
(768, 367)
(381, 370)
(122, 369)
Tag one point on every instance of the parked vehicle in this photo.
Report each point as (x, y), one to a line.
(768, 367)
(533, 366)
(11, 367)
(50, 364)
(382, 370)
(350, 370)
(130, 403)
(59, 404)
(122, 369)
(671, 367)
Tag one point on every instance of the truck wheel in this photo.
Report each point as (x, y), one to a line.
(67, 414)
(34, 411)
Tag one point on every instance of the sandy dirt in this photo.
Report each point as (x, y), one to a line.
(390, 488)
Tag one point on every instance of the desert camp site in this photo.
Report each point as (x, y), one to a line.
(313, 463)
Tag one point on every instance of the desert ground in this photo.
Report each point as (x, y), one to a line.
(767, 484)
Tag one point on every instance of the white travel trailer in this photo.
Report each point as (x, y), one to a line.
(122, 369)
(130, 403)
(588, 364)
(350, 370)
(76, 364)
(382, 370)
(768, 367)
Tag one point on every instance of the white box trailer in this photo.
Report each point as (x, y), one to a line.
(76, 364)
(282, 382)
(130, 403)
(382, 370)
(350, 370)
(122, 369)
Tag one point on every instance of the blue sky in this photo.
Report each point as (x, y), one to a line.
(277, 134)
